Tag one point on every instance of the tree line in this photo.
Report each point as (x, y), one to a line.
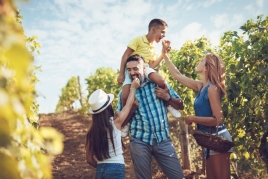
(246, 106)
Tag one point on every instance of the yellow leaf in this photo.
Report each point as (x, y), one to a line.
(246, 155)
(9, 168)
(53, 140)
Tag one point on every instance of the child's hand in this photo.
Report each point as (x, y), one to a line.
(135, 83)
(166, 46)
(120, 78)
(169, 49)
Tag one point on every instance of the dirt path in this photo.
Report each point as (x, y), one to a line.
(71, 164)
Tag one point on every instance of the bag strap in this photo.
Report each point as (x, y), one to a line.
(217, 129)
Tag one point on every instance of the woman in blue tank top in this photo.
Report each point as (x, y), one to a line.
(207, 106)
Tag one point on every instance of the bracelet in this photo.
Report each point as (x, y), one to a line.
(169, 99)
(134, 89)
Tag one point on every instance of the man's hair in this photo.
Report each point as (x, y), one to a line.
(135, 57)
(157, 23)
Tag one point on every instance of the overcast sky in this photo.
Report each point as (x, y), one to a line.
(79, 36)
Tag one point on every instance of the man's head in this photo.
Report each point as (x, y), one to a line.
(157, 28)
(135, 67)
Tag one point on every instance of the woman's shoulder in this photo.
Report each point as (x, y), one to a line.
(117, 122)
(213, 89)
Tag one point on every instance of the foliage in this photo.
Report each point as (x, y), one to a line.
(25, 151)
(104, 78)
(246, 107)
(186, 60)
(69, 94)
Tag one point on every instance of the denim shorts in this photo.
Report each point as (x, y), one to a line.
(224, 133)
(110, 171)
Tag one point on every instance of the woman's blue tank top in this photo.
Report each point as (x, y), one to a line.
(202, 108)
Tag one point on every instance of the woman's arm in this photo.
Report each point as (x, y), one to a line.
(134, 107)
(89, 157)
(214, 100)
(175, 73)
(123, 114)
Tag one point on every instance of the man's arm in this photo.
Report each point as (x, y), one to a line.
(164, 94)
(176, 103)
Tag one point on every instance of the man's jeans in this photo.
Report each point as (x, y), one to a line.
(164, 154)
(110, 171)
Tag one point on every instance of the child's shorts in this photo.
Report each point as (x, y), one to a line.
(128, 80)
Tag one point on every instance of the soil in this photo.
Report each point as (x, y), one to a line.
(71, 164)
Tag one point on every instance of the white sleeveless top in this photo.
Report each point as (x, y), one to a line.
(117, 155)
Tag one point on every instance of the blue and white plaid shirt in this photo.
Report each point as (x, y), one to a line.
(150, 119)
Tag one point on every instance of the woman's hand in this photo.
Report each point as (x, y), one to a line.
(135, 83)
(189, 120)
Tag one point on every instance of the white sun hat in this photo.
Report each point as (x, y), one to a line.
(99, 100)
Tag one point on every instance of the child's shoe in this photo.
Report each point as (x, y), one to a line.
(125, 130)
(175, 113)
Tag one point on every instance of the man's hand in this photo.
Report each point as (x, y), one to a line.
(162, 93)
(120, 78)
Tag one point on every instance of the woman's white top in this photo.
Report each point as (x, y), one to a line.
(117, 155)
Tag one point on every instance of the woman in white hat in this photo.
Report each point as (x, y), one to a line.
(103, 142)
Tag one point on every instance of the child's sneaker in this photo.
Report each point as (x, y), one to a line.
(125, 130)
(175, 113)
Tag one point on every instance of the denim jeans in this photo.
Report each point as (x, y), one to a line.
(110, 171)
(164, 154)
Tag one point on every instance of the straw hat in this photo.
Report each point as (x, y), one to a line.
(99, 100)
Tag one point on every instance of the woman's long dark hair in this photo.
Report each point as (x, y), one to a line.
(98, 134)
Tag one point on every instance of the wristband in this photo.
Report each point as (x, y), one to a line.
(169, 99)
(134, 89)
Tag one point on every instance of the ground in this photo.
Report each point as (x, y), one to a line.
(71, 164)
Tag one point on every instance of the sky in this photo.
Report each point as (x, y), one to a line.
(79, 36)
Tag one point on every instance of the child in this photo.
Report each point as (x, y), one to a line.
(103, 142)
(144, 46)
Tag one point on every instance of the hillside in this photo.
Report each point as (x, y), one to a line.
(71, 164)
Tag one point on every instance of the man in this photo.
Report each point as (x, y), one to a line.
(149, 130)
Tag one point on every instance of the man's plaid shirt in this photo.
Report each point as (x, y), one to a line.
(150, 119)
